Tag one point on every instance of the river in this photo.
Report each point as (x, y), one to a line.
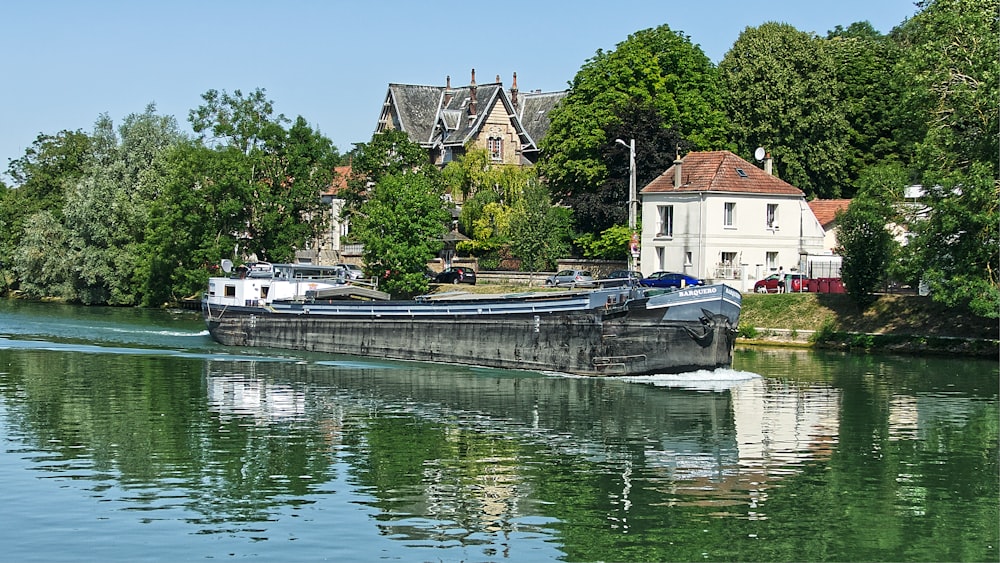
(128, 435)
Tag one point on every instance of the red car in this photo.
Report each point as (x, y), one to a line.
(778, 283)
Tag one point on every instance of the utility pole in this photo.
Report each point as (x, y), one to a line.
(632, 203)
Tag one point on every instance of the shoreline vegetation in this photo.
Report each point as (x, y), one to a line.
(895, 324)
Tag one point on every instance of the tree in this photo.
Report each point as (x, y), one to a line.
(197, 220)
(783, 94)
(951, 68)
(864, 65)
(656, 147)
(44, 271)
(106, 210)
(540, 232)
(866, 247)
(387, 154)
(956, 246)
(401, 225)
(278, 174)
(40, 178)
(656, 69)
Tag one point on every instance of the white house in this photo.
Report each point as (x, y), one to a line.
(715, 216)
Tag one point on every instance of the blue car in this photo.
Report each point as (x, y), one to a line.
(669, 279)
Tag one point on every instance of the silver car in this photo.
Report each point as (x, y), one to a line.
(571, 278)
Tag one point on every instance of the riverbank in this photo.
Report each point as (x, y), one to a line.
(909, 324)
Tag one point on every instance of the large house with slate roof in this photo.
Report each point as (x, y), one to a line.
(715, 216)
(445, 119)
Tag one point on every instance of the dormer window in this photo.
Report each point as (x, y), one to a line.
(495, 147)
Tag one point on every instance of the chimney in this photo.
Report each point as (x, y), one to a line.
(472, 96)
(448, 93)
(768, 164)
(678, 161)
(513, 92)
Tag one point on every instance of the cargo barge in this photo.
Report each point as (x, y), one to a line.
(624, 330)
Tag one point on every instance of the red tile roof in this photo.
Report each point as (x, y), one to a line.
(718, 171)
(340, 175)
(826, 210)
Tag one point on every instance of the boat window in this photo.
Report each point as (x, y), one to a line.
(263, 291)
(230, 291)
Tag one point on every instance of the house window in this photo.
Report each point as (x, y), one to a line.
(728, 258)
(772, 216)
(771, 261)
(659, 258)
(687, 258)
(495, 146)
(729, 214)
(665, 221)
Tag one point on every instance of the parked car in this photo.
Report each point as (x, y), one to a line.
(458, 274)
(778, 283)
(619, 278)
(354, 271)
(669, 279)
(572, 278)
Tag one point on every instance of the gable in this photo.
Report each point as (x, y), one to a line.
(436, 116)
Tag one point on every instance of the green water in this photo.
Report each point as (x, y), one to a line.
(128, 435)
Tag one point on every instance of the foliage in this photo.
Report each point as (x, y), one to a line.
(401, 226)
(389, 153)
(193, 223)
(865, 246)
(539, 232)
(106, 210)
(658, 70)
(45, 273)
(951, 69)
(40, 177)
(655, 148)
(613, 244)
(864, 66)
(783, 94)
(957, 244)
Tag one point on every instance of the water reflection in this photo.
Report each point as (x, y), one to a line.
(790, 455)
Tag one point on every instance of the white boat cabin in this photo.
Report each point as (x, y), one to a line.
(259, 284)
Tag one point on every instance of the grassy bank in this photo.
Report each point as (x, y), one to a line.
(894, 323)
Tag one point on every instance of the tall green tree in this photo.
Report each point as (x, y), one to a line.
(540, 232)
(280, 175)
(951, 68)
(40, 178)
(107, 210)
(387, 154)
(198, 219)
(783, 95)
(864, 66)
(401, 225)
(956, 241)
(865, 246)
(657, 69)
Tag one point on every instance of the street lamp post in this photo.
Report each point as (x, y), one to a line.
(632, 198)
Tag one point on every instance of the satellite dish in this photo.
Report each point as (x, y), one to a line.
(759, 153)
(227, 265)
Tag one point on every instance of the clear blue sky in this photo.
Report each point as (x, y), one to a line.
(65, 62)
